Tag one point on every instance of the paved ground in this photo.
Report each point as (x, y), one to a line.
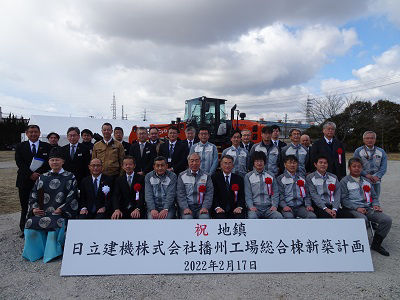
(7, 164)
(25, 280)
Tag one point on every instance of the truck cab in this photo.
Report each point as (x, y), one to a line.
(205, 112)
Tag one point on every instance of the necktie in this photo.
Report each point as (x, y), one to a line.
(130, 180)
(33, 149)
(203, 158)
(171, 150)
(330, 145)
(141, 149)
(190, 144)
(95, 186)
(247, 147)
(227, 182)
(95, 195)
(72, 151)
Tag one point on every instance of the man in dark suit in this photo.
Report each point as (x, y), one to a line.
(87, 136)
(119, 136)
(95, 195)
(154, 139)
(332, 148)
(143, 152)
(276, 131)
(229, 200)
(77, 156)
(128, 194)
(246, 142)
(29, 168)
(174, 151)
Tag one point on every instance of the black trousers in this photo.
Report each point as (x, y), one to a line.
(24, 201)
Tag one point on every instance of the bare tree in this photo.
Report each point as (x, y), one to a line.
(320, 109)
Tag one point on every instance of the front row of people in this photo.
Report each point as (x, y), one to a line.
(195, 194)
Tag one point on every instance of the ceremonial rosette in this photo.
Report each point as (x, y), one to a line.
(300, 184)
(202, 190)
(339, 152)
(331, 188)
(235, 189)
(105, 189)
(367, 193)
(268, 182)
(137, 187)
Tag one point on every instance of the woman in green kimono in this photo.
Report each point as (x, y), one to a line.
(53, 200)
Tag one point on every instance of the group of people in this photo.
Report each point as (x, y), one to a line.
(174, 178)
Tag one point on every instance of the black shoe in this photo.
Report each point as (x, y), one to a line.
(380, 250)
(22, 235)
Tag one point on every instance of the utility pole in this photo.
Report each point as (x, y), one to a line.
(308, 109)
(124, 116)
(114, 108)
(285, 126)
(144, 115)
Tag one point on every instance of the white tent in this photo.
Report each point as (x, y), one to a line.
(60, 125)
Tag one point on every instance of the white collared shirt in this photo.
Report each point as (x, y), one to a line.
(60, 172)
(229, 176)
(107, 142)
(327, 140)
(98, 180)
(127, 176)
(34, 143)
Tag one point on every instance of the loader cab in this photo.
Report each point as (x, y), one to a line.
(208, 112)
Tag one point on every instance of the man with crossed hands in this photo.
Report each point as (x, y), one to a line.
(160, 191)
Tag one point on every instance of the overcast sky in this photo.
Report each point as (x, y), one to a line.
(69, 57)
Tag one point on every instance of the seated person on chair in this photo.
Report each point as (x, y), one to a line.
(95, 195)
(359, 198)
(160, 191)
(228, 191)
(261, 190)
(324, 190)
(294, 199)
(52, 201)
(194, 190)
(128, 194)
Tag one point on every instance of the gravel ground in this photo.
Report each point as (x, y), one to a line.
(25, 280)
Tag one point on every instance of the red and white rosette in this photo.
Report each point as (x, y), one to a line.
(331, 188)
(367, 193)
(339, 152)
(300, 184)
(202, 190)
(235, 189)
(268, 182)
(137, 187)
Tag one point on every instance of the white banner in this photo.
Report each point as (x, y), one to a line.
(104, 247)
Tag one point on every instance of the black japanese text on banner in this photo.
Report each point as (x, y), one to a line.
(102, 247)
